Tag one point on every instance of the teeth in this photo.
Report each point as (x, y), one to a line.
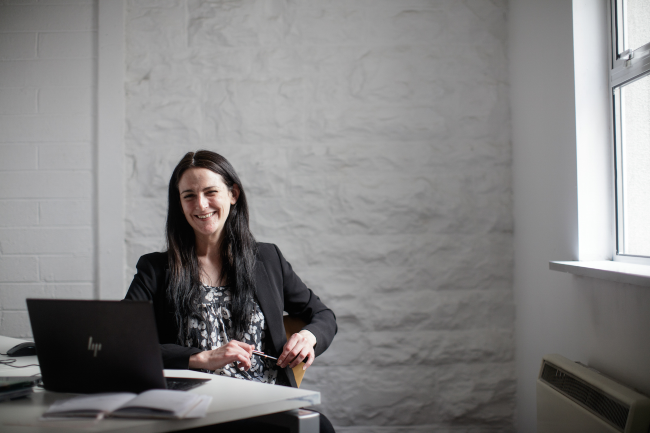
(205, 216)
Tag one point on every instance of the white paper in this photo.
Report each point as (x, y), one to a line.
(155, 403)
(89, 405)
(163, 400)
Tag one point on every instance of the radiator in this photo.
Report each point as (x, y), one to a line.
(572, 398)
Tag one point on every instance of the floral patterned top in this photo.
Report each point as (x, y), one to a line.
(215, 330)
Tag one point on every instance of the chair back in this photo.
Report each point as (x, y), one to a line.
(293, 325)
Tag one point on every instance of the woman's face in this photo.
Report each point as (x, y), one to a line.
(206, 202)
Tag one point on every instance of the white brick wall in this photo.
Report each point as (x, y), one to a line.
(47, 88)
(373, 139)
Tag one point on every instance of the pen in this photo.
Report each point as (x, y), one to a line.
(264, 355)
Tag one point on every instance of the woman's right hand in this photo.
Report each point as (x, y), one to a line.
(234, 351)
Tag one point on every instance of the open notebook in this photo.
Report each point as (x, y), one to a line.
(155, 403)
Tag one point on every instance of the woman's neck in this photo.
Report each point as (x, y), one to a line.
(209, 256)
(207, 247)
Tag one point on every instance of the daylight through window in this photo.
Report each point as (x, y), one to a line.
(630, 84)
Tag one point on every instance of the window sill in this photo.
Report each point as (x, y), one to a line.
(620, 272)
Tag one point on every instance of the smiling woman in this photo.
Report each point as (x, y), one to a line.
(219, 295)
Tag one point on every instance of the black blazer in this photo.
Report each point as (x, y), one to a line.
(278, 289)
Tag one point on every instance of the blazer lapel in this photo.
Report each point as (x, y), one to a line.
(271, 304)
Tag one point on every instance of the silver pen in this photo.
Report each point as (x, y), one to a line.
(264, 355)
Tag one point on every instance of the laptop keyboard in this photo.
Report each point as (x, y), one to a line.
(184, 383)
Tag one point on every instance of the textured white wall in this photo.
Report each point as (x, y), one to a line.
(373, 140)
(47, 87)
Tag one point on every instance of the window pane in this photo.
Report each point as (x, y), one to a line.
(620, 26)
(637, 23)
(635, 159)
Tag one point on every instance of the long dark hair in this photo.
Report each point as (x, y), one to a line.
(238, 249)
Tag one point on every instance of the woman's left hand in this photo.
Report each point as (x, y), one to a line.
(299, 348)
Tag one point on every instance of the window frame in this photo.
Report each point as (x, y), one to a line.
(625, 68)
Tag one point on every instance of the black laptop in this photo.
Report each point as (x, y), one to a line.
(99, 346)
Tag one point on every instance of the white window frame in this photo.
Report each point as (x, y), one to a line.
(625, 68)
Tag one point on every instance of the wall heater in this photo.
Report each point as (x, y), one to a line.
(572, 398)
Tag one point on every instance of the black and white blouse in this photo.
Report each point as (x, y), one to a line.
(215, 330)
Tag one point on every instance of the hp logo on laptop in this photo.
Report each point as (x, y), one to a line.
(94, 347)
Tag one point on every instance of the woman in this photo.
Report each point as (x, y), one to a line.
(217, 294)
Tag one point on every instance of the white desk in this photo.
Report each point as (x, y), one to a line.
(232, 399)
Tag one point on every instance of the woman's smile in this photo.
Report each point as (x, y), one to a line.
(206, 216)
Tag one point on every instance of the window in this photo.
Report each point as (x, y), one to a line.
(630, 87)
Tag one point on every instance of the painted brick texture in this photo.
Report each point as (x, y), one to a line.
(373, 140)
(47, 87)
